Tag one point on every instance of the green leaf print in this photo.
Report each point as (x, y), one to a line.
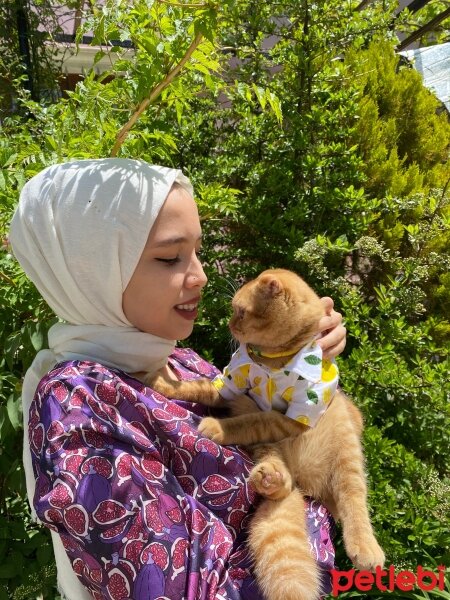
(312, 396)
(312, 360)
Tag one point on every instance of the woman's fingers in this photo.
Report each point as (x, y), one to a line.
(333, 331)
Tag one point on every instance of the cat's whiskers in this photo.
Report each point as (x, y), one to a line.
(228, 286)
(233, 345)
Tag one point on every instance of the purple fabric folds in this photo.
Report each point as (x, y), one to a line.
(146, 508)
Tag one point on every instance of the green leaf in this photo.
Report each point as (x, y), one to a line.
(261, 95)
(312, 396)
(98, 57)
(36, 334)
(12, 344)
(11, 160)
(14, 408)
(311, 359)
(275, 105)
(198, 67)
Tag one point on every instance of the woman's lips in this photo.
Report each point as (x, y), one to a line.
(188, 310)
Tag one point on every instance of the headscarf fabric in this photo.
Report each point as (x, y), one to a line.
(78, 232)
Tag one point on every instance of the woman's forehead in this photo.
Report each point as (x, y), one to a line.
(177, 222)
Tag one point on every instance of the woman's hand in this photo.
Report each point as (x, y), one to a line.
(333, 331)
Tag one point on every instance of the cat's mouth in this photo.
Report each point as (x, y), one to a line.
(235, 332)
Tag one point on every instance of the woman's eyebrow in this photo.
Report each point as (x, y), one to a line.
(172, 241)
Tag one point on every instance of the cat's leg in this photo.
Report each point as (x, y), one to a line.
(196, 390)
(278, 541)
(330, 463)
(349, 491)
(270, 476)
(255, 428)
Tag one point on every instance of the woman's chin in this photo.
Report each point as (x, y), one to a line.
(185, 332)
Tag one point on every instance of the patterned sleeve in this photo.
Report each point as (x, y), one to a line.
(144, 506)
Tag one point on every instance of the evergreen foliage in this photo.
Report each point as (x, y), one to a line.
(311, 147)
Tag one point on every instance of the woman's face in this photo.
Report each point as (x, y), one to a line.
(164, 292)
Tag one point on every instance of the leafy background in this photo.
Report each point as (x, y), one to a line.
(312, 146)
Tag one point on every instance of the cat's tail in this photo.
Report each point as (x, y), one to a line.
(278, 540)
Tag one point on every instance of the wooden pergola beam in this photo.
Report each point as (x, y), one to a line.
(415, 5)
(427, 27)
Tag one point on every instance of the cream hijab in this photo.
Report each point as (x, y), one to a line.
(78, 232)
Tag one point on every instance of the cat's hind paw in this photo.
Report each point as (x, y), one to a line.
(212, 429)
(271, 479)
(365, 553)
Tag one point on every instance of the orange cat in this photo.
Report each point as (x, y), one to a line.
(315, 450)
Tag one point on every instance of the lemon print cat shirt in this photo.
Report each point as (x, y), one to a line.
(302, 389)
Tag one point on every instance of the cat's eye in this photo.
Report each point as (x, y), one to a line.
(240, 312)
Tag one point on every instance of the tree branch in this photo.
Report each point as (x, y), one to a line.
(123, 133)
(181, 4)
(6, 278)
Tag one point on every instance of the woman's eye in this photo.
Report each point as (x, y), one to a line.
(169, 261)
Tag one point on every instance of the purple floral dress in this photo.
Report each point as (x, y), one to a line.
(146, 508)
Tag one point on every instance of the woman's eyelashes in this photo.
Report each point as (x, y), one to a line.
(169, 261)
(177, 259)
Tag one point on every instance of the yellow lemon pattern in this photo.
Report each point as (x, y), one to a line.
(329, 371)
(239, 381)
(244, 370)
(327, 395)
(218, 383)
(271, 388)
(302, 389)
(288, 393)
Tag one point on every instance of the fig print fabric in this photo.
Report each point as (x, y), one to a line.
(145, 507)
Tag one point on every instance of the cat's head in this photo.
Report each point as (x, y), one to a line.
(276, 311)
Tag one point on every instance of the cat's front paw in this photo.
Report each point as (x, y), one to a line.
(365, 553)
(271, 479)
(212, 429)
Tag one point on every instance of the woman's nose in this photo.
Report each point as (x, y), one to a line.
(197, 276)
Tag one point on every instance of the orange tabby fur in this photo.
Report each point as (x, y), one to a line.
(278, 312)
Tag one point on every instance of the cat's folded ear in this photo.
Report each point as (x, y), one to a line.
(270, 285)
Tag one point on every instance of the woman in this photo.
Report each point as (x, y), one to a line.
(140, 506)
